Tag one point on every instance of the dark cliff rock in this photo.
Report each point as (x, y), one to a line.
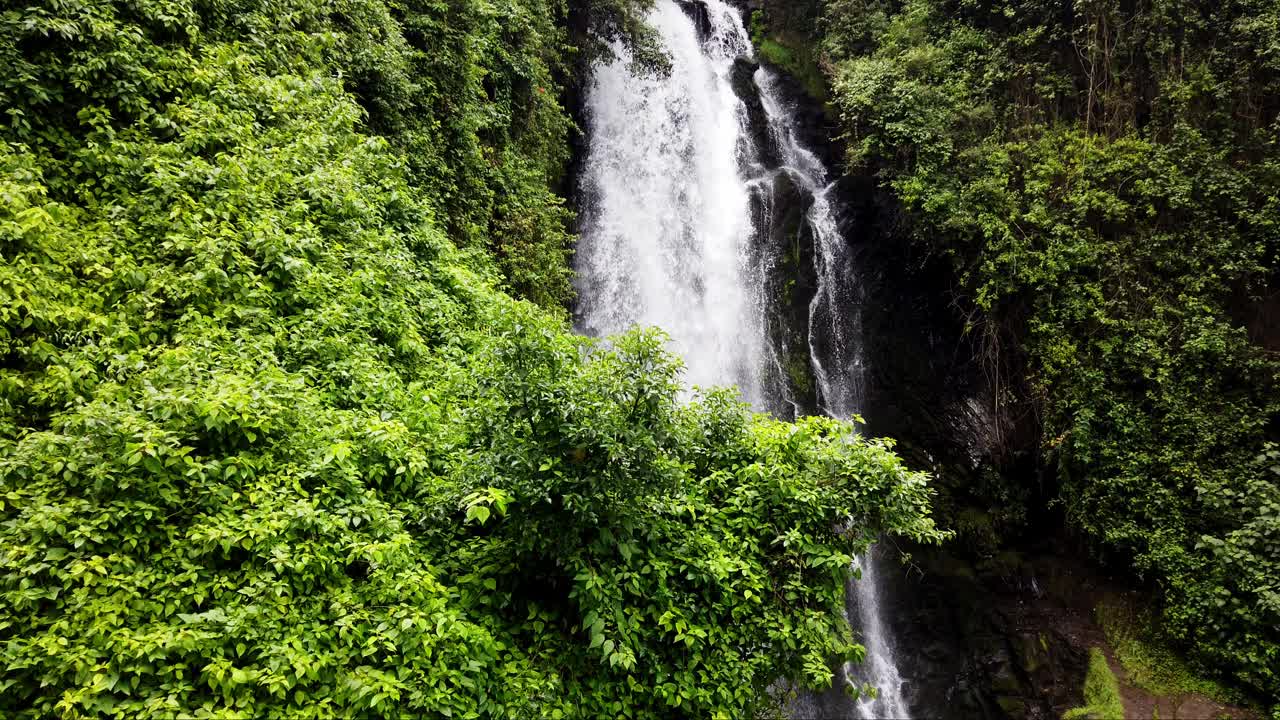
(985, 645)
(975, 637)
(782, 250)
(780, 207)
(698, 13)
(762, 149)
(815, 127)
(983, 631)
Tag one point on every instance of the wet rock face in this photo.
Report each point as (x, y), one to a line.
(971, 644)
(783, 251)
(815, 129)
(977, 646)
(780, 206)
(698, 13)
(965, 643)
(762, 150)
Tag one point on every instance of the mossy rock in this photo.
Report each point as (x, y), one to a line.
(1014, 707)
(1101, 692)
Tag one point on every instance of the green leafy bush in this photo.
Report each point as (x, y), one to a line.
(271, 445)
(1133, 633)
(469, 92)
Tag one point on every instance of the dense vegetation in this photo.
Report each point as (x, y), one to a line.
(273, 443)
(1104, 177)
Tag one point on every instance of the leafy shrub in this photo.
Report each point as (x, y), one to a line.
(271, 445)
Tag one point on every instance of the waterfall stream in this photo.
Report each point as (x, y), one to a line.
(697, 198)
(666, 222)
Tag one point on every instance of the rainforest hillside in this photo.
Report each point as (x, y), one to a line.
(278, 440)
(1102, 180)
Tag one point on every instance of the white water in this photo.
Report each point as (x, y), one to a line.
(667, 241)
(666, 225)
(835, 353)
(834, 321)
(880, 670)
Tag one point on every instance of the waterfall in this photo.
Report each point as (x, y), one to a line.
(666, 222)
(695, 193)
(834, 317)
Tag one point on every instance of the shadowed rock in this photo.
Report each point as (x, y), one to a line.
(780, 207)
(761, 150)
(700, 16)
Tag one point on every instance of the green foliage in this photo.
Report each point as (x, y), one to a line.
(790, 51)
(1148, 662)
(1101, 692)
(271, 445)
(475, 110)
(468, 91)
(1105, 184)
(622, 22)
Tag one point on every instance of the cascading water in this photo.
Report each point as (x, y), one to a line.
(834, 328)
(834, 322)
(881, 671)
(694, 191)
(665, 214)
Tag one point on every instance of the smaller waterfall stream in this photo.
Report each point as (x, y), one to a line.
(834, 317)
(880, 670)
(696, 193)
(835, 354)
